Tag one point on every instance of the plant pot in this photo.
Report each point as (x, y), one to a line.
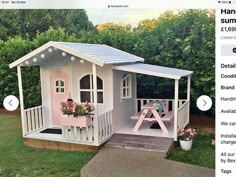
(80, 121)
(186, 145)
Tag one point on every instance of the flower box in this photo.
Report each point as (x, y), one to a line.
(80, 121)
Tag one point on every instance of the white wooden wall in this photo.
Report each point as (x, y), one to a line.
(105, 73)
(75, 71)
(123, 109)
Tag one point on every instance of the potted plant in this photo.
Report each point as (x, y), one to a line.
(185, 136)
(76, 114)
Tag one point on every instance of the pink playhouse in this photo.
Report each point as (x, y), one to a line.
(106, 77)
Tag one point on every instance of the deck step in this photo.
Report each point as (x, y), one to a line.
(138, 142)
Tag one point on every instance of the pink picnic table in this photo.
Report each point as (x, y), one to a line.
(149, 113)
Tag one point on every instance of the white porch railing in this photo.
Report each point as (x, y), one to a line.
(104, 126)
(183, 115)
(79, 134)
(86, 135)
(34, 119)
(170, 103)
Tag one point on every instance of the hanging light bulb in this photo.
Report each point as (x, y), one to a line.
(42, 56)
(27, 62)
(63, 54)
(35, 60)
(72, 58)
(50, 50)
(81, 61)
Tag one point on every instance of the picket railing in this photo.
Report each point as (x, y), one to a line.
(183, 115)
(79, 134)
(169, 103)
(34, 119)
(104, 126)
(85, 135)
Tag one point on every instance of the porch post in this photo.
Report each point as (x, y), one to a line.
(176, 109)
(21, 99)
(135, 94)
(95, 119)
(188, 95)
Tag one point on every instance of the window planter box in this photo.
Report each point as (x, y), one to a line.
(80, 121)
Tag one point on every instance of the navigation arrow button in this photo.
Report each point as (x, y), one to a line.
(204, 103)
(10, 103)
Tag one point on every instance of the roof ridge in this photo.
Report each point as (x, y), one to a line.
(76, 43)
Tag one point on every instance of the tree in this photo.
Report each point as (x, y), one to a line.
(77, 21)
(113, 26)
(9, 24)
(27, 22)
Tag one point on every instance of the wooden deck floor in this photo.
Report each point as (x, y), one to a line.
(137, 142)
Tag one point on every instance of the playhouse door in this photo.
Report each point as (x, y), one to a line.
(59, 82)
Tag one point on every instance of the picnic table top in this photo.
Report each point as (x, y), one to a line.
(150, 104)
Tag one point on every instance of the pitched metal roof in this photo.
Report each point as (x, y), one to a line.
(154, 70)
(99, 54)
(102, 52)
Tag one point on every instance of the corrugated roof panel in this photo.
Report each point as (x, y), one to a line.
(106, 54)
(154, 70)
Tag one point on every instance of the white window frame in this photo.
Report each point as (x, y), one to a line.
(59, 86)
(127, 87)
(91, 90)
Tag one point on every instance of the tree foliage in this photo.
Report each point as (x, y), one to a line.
(28, 22)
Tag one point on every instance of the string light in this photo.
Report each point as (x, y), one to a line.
(63, 54)
(50, 50)
(72, 58)
(35, 59)
(42, 56)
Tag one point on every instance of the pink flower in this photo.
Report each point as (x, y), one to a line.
(63, 103)
(189, 130)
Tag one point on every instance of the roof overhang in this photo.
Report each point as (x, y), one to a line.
(55, 45)
(153, 70)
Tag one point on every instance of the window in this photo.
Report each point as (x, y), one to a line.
(86, 89)
(126, 86)
(60, 86)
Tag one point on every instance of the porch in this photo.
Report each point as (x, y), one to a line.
(146, 130)
(34, 125)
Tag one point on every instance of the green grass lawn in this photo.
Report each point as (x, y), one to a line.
(202, 152)
(18, 160)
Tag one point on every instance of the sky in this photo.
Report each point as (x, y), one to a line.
(124, 16)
